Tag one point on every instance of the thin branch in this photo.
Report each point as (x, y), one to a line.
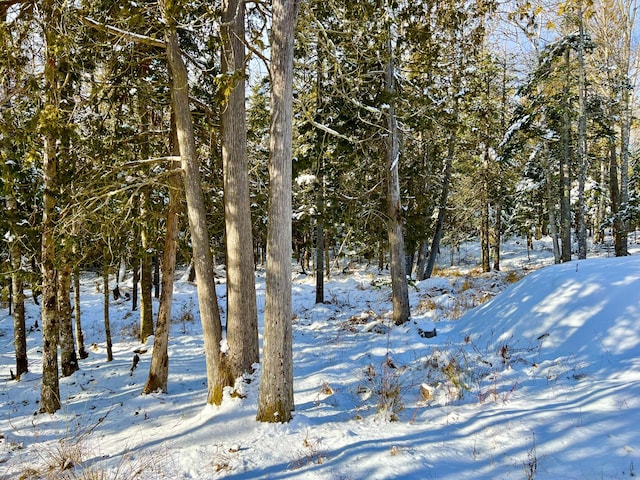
(152, 160)
(132, 37)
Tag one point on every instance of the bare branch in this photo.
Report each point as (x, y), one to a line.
(132, 37)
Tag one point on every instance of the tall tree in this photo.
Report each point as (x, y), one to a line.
(399, 287)
(242, 315)
(582, 131)
(275, 401)
(217, 376)
(52, 11)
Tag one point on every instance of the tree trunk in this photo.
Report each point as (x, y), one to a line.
(275, 400)
(135, 279)
(442, 206)
(217, 378)
(146, 272)
(82, 353)
(68, 357)
(423, 256)
(582, 141)
(484, 224)
(601, 203)
(105, 297)
(497, 236)
(17, 289)
(625, 129)
(159, 369)
(242, 314)
(565, 173)
(619, 232)
(399, 288)
(50, 391)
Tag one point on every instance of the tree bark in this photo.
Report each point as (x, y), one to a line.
(242, 314)
(68, 357)
(17, 289)
(50, 391)
(399, 287)
(159, 369)
(319, 266)
(105, 297)
(82, 353)
(619, 231)
(582, 140)
(565, 172)
(217, 376)
(484, 224)
(497, 236)
(275, 400)
(146, 273)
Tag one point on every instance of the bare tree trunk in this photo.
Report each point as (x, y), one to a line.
(582, 140)
(442, 207)
(50, 391)
(497, 236)
(159, 369)
(601, 204)
(619, 232)
(242, 314)
(625, 129)
(399, 288)
(484, 227)
(105, 296)
(217, 376)
(82, 353)
(68, 357)
(320, 248)
(50, 396)
(275, 400)
(17, 289)
(421, 265)
(146, 273)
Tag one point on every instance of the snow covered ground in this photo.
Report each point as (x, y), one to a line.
(541, 380)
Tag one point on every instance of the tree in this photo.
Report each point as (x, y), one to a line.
(217, 377)
(399, 288)
(159, 369)
(275, 401)
(50, 118)
(242, 315)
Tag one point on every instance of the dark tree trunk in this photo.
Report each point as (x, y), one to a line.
(82, 353)
(105, 293)
(68, 357)
(146, 269)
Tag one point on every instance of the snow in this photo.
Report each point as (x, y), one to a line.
(542, 380)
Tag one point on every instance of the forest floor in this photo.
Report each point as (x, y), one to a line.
(534, 373)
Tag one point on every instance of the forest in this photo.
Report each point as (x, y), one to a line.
(259, 141)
